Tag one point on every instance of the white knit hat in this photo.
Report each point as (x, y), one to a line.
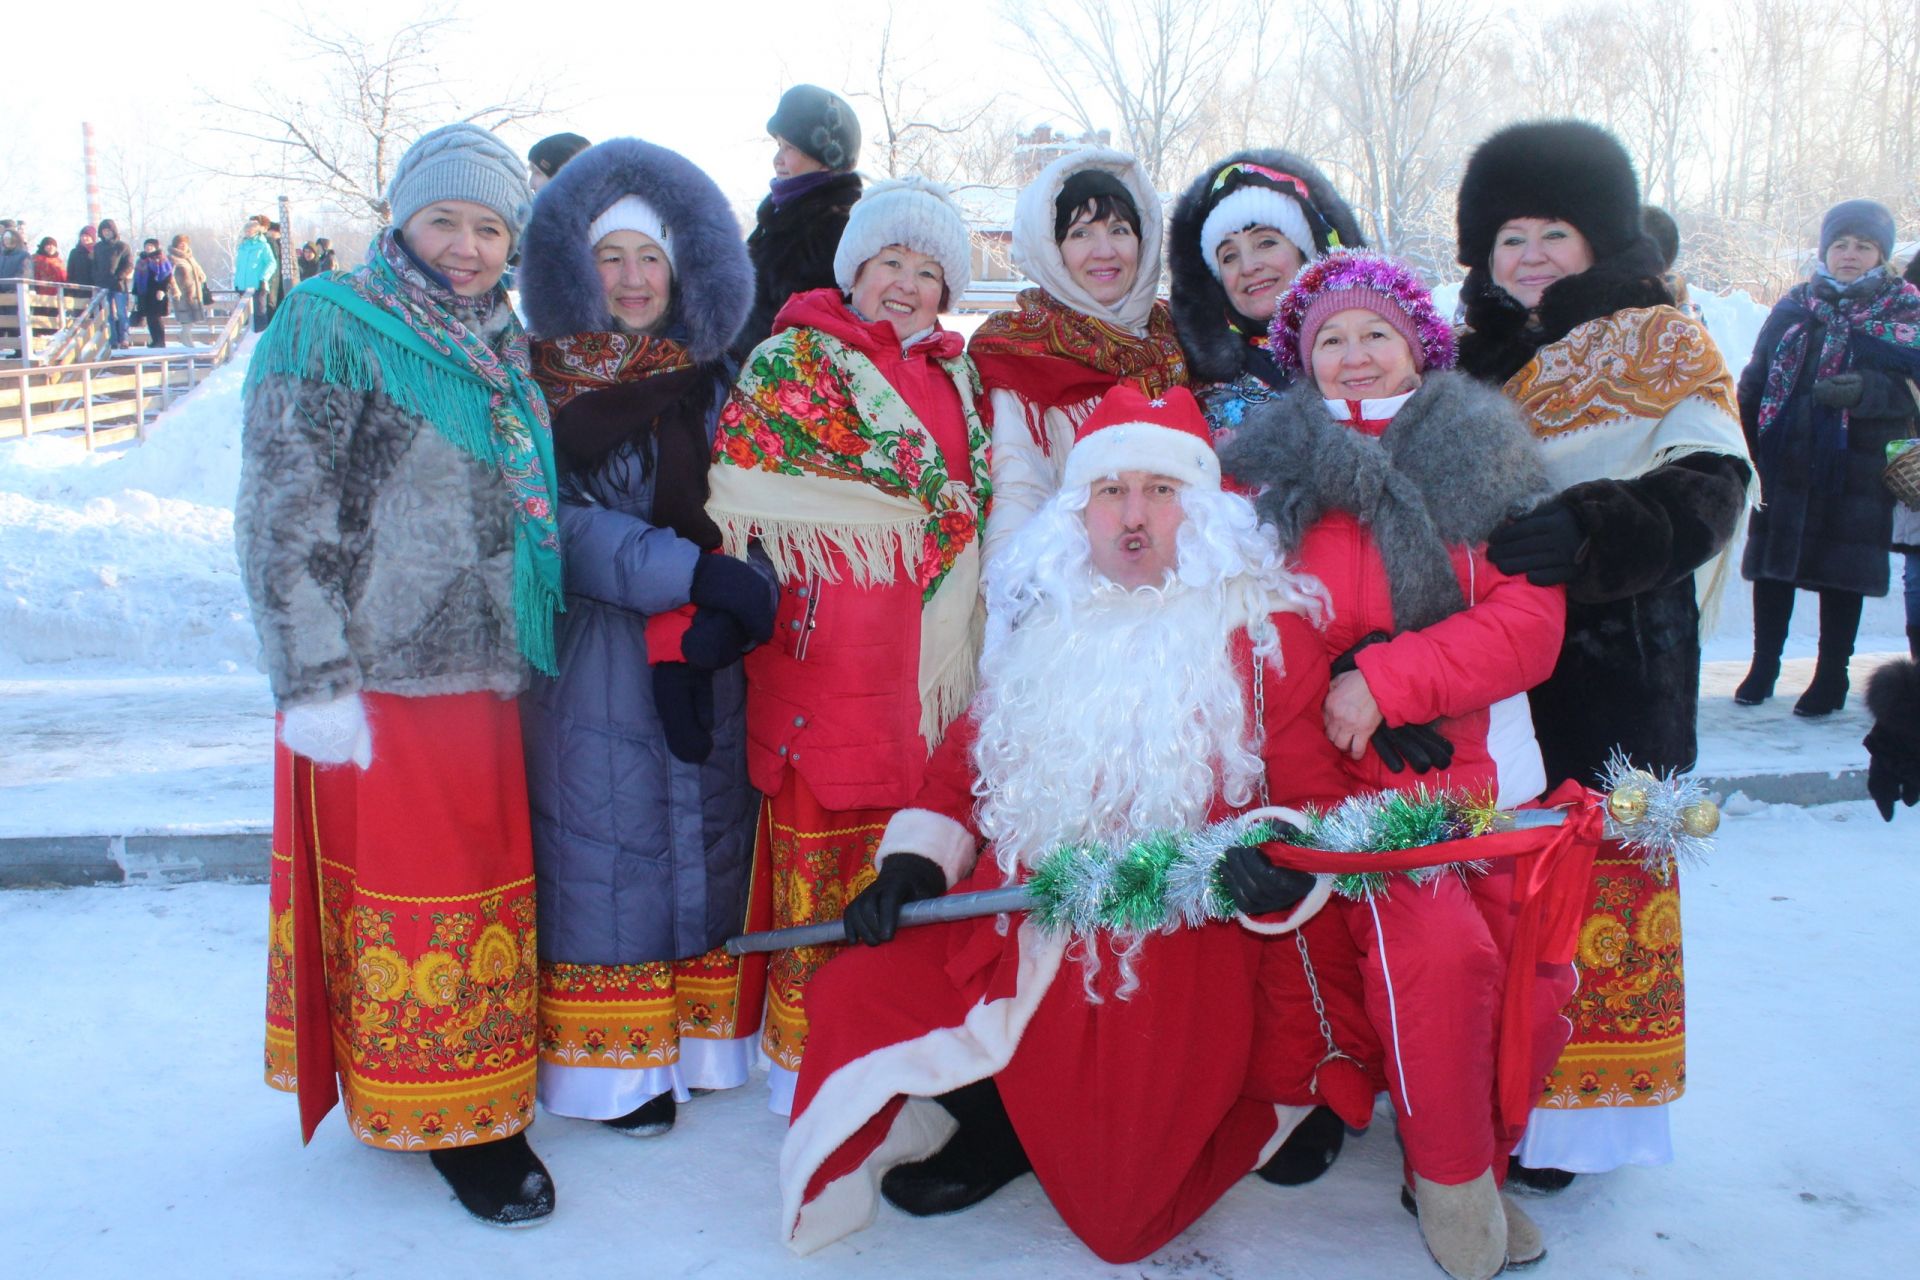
(908, 211)
(1254, 206)
(631, 213)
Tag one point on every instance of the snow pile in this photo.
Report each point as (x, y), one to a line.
(123, 560)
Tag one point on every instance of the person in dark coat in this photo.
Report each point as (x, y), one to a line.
(1826, 390)
(547, 155)
(1636, 420)
(323, 260)
(152, 287)
(1913, 270)
(1238, 235)
(80, 257)
(112, 271)
(797, 228)
(634, 278)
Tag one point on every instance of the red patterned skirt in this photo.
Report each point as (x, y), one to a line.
(818, 859)
(1629, 1045)
(401, 960)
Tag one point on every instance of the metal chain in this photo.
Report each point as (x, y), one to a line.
(1320, 1010)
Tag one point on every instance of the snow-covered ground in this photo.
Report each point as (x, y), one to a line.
(146, 1144)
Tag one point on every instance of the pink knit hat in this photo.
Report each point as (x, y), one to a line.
(1370, 282)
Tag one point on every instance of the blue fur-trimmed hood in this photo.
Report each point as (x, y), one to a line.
(560, 287)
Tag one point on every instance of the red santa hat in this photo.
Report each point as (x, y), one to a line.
(1128, 431)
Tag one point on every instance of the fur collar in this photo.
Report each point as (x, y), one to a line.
(1215, 352)
(1501, 337)
(1455, 462)
(712, 279)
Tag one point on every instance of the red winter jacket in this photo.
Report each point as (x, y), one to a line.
(835, 694)
(1504, 642)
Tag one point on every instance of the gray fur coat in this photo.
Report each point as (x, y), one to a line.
(376, 554)
(1455, 461)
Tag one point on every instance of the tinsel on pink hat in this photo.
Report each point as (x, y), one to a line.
(1378, 284)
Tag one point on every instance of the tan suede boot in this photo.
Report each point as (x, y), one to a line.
(1465, 1226)
(1525, 1246)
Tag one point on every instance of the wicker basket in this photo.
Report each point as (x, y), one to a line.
(1903, 477)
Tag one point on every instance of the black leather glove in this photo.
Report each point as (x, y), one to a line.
(683, 699)
(874, 913)
(1546, 544)
(1419, 747)
(721, 582)
(1841, 391)
(1256, 886)
(713, 640)
(1893, 768)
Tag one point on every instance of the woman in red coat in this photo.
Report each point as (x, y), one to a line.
(1382, 474)
(852, 452)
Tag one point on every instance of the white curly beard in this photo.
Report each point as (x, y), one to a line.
(1106, 713)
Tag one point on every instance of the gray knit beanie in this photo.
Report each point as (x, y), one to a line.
(461, 162)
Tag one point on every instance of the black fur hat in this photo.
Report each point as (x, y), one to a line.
(560, 285)
(1214, 352)
(1565, 169)
(1659, 224)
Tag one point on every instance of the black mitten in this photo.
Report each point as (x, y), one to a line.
(1256, 886)
(874, 913)
(1841, 391)
(683, 699)
(1546, 544)
(713, 640)
(721, 582)
(1893, 745)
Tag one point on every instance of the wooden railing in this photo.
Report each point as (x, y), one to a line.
(112, 400)
(43, 312)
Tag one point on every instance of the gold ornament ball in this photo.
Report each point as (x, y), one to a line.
(1700, 819)
(1628, 803)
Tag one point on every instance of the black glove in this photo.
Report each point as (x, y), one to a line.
(1419, 747)
(1546, 544)
(721, 582)
(874, 914)
(1893, 768)
(1256, 886)
(1412, 746)
(1841, 391)
(713, 640)
(683, 699)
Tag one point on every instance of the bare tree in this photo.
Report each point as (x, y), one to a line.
(1156, 65)
(1404, 80)
(377, 95)
(141, 186)
(914, 136)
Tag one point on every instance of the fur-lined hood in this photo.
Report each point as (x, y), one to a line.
(1215, 353)
(560, 286)
(1455, 462)
(1038, 257)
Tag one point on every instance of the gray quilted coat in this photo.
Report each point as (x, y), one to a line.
(639, 856)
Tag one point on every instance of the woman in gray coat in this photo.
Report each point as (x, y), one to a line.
(634, 278)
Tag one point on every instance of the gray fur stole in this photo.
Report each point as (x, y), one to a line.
(1455, 462)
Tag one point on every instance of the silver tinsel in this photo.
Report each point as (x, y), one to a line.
(1660, 835)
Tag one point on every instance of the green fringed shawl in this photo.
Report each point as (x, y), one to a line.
(328, 330)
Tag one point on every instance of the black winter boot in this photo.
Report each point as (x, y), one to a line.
(648, 1120)
(1913, 643)
(983, 1156)
(501, 1183)
(1772, 612)
(1309, 1150)
(1839, 624)
(1542, 1182)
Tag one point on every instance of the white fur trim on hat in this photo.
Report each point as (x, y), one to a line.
(631, 213)
(1255, 206)
(1142, 446)
(908, 211)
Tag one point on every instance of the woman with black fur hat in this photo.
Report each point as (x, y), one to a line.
(1086, 231)
(1634, 412)
(816, 140)
(634, 278)
(1827, 389)
(1238, 236)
